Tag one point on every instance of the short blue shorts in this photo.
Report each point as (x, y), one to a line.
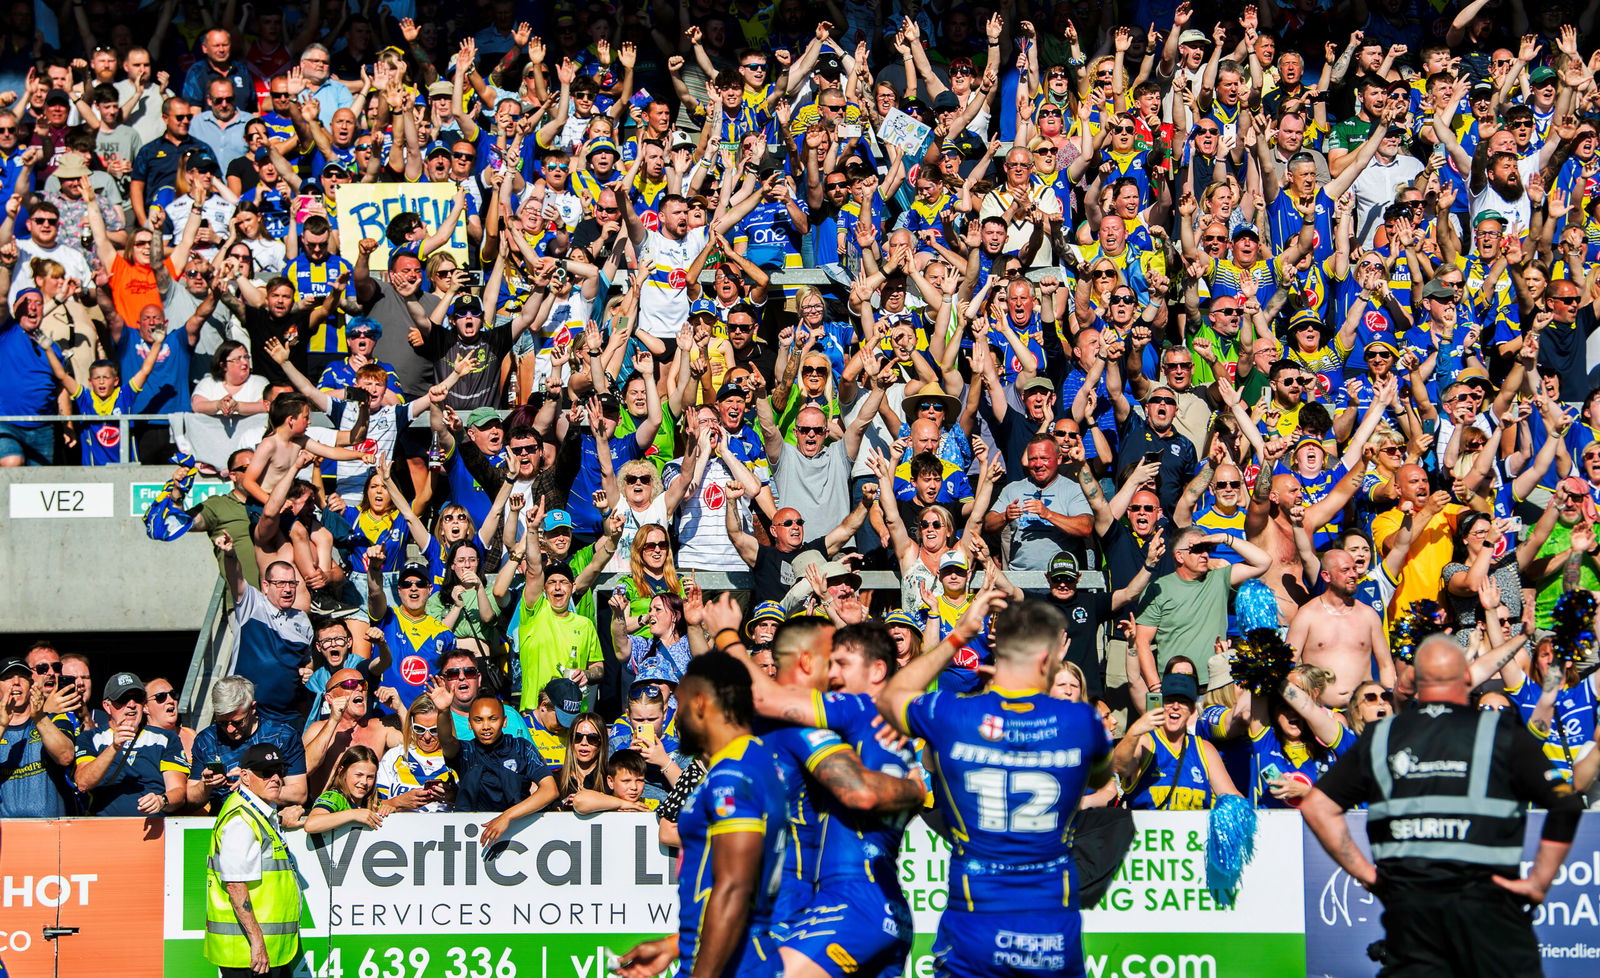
(1027, 943)
(854, 930)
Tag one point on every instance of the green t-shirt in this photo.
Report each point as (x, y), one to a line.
(1559, 542)
(665, 445)
(1349, 134)
(548, 644)
(1189, 617)
(1226, 349)
(332, 800)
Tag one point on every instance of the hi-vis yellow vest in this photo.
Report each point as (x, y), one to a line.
(275, 897)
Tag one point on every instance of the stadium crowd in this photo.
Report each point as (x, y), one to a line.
(1189, 321)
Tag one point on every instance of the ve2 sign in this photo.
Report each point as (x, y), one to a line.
(61, 500)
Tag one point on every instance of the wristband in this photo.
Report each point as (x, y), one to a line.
(720, 645)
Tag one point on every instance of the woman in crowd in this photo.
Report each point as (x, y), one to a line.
(414, 776)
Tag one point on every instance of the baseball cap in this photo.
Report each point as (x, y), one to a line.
(680, 141)
(57, 96)
(559, 569)
(1180, 686)
(14, 665)
(413, 569)
(121, 685)
(566, 698)
(263, 759)
(440, 88)
(332, 165)
(1039, 384)
(1302, 317)
(731, 390)
(1246, 231)
(262, 154)
(435, 148)
(363, 324)
(952, 558)
(466, 304)
(829, 66)
(1482, 90)
(1063, 565)
(1541, 75)
(1309, 440)
(204, 161)
(1474, 376)
(484, 416)
(1488, 215)
(1382, 345)
(703, 307)
(602, 146)
(1192, 36)
(556, 519)
(1436, 289)
(946, 102)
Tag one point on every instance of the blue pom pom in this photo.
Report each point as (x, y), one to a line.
(1230, 845)
(1255, 606)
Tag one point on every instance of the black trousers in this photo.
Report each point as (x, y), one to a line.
(1476, 930)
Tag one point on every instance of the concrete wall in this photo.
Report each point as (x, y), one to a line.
(74, 556)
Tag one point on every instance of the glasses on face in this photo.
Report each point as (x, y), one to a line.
(1143, 508)
(1121, 130)
(1227, 484)
(1064, 433)
(930, 525)
(472, 156)
(523, 449)
(1223, 238)
(277, 95)
(586, 738)
(283, 584)
(1122, 300)
(792, 521)
(833, 108)
(163, 696)
(45, 668)
(219, 99)
(1207, 131)
(130, 698)
(1377, 696)
(332, 643)
(1292, 382)
(348, 684)
(44, 222)
(1169, 401)
(1563, 298)
(1103, 273)
(636, 480)
(418, 730)
(1380, 355)
(813, 371)
(1226, 311)
(747, 327)
(460, 672)
(754, 66)
(1179, 365)
(654, 545)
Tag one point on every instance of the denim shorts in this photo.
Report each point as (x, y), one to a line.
(36, 446)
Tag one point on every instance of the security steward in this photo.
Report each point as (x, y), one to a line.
(1446, 788)
(252, 892)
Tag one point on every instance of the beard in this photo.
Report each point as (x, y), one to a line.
(1511, 189)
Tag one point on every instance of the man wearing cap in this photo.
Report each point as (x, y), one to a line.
(222, 125)
(559, 703)
(1087, 611)
(236, 727)
(1021, 414)
(361, 335)
(1439, 333)
(36, 748)
(252, 890)
(129, 768)
(552, 640)
(416, 639)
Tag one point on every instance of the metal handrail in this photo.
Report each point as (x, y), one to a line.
(194, 702)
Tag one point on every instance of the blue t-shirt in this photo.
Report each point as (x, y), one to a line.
(210, 748)
(30, 384)
(167, 389)
(136, 771)
(31, 784)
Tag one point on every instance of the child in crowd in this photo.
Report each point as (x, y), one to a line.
(351, 797)
(105, 395)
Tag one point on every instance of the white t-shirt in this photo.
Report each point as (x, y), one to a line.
(632, 521)
(664, 303)
(1375, 188)
(703, 542)
(69, 258)
(383, 429)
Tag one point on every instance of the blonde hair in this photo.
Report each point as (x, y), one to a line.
(636, 570)
(46, 268)
(640, 465)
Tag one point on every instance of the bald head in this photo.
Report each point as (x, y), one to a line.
(1441, 671)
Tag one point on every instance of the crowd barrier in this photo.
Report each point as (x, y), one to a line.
(562, 894)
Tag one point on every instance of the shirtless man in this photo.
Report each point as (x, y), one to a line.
(287, 421)
(1337, 632)
(1276, 512)
(348, 725)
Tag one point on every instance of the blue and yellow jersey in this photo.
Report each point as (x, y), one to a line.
(750, 117)
(1212, 726)
(961, 675)
(1173, 777)
(1502, 312)
(102, 442)
(796, 752)
(1270, 759)
(1133, 165)
(1214, 521)
(549, 743)
(1314, 489)
(923, 216)
(741, 793)
(415, 646)
(861, 845)
(954, 487)
(1284, 221)
(1571, 728)
(809, 114)
(313, 280)
(646, 197)
(1012, 766)
(770, 237)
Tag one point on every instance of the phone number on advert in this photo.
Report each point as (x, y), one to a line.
(478, 962)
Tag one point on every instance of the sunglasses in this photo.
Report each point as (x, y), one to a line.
(636, 480)
(1227, 484)
(1145, 508)
(460, 672)
(412, 585)
(809, 429)
(1103, 273)
(813, 371)
(473, 156)
(1214, 237)
(1180, 365)
(45, 668)
(1228, 311)
(523, 449)
(349, 684)
(929, 525)
(1171, 401)
(421, 731)
(654, 545)
(647, 692)
(46, 222)
(1292, 382)
(793, 521)
(1374, 696)
(1122, 300)
(1064, 433)
(586, 738)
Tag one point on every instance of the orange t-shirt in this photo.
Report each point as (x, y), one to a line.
(133, 287)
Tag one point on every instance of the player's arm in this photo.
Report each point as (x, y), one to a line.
(912, 680)
(736, 866)
(849, 781)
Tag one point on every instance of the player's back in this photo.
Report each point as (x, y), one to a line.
(797, 751)
(1012, 769)
(855, 844)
